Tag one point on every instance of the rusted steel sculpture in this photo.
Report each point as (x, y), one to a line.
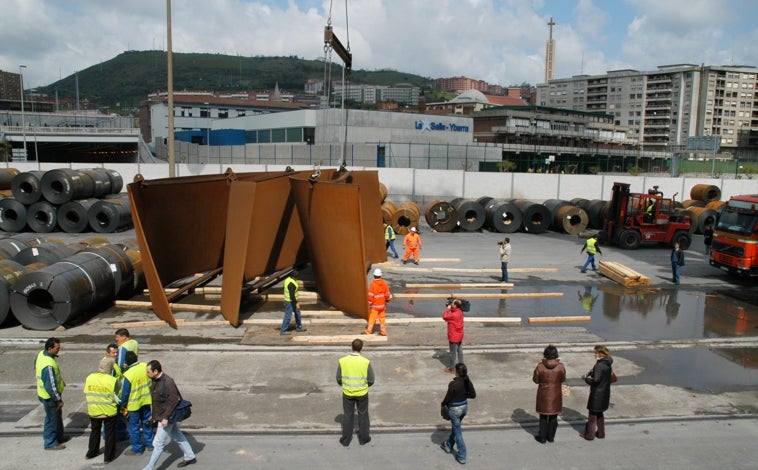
(257, 225)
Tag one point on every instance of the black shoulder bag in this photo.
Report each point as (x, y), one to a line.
(182, 411)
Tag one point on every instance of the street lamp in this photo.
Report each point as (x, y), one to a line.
(23, 118)
(208, 130)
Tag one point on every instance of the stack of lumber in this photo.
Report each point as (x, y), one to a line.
(623, 275)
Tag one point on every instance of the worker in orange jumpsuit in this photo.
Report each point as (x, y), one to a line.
(412, 244)
(378, 296)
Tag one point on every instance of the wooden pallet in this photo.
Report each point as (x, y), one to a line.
(625, 276)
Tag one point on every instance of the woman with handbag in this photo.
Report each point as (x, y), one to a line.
(549, 375)
(459, 390)
(599, 379)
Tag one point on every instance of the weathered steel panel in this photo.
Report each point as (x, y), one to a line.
(332, 214)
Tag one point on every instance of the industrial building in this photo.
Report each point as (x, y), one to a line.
(666, 106)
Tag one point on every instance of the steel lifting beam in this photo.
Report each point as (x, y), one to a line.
(331, 40)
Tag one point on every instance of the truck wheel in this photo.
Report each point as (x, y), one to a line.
(683, 238)
(630, 239)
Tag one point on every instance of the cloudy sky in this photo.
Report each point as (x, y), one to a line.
(500, 41)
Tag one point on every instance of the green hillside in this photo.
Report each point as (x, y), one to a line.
(126, 80)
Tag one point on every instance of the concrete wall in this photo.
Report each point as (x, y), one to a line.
(424, 186)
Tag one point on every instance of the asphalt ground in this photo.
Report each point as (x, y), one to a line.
(250, 381)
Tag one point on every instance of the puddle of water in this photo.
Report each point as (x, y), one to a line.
(617, 314)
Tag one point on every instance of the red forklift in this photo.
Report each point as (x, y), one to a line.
(636, 218)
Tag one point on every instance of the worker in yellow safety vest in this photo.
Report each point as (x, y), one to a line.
(125, 343)
(50, 387)
(355, 375)
(135, 392)
(389, 239)
(592, 248)
(102, 408)
(291, 304)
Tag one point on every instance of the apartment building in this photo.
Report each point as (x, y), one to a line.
(666, 106)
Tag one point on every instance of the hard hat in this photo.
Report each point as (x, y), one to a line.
(413, 229)
(377, 272)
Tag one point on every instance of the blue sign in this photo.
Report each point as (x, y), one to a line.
(427, 125)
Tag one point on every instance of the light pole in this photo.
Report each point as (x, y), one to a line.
(208, 131)
(23, 118)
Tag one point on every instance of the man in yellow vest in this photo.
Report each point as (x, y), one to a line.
(389, 239)
(291, 305)
(111, 351)
(100, 394)
(125, 343)
(50, 387)
(592, 248)
(355, 374)
(135, 393)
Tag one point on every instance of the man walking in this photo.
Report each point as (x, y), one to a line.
(125, 344)
(355, 375)
(592, 248)
(102, 408)
(291, 296)
(135, 392)
(389, 239)
(378, 296)
(677, 261)
(412, 244)
(50, 387)
(505, 256)
(165, 397)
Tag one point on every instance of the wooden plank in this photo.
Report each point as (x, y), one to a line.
(313, 321)
(567, 319)
(477, 295)
(333, 339)
(473, 285)
(497, 271)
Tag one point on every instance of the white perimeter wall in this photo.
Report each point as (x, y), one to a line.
(424, 186)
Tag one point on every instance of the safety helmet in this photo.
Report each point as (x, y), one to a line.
(413, 229)
(377, 272)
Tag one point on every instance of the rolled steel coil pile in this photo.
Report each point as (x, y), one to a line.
(405, 216)
(74, 201)
(566, 217)
(502, 216)
(441, 216)
(70, 289)
(470, 214)
(703, 207)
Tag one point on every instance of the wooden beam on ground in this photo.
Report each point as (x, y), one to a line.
(566, 319)
(334, 339)
(314, 321)
(496, 271)
(217, 290)
(477, 296)
(472, 285)
(625, 276)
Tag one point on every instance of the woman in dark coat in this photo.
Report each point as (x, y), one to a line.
(599, 380)
(549, 375)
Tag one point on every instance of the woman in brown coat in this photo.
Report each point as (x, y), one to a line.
(549, 375)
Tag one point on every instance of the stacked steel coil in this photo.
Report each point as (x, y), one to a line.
(73, 201)
(703, 207)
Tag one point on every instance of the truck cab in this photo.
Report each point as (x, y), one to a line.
(735, 237)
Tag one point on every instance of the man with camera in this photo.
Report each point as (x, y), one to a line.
(505, 257)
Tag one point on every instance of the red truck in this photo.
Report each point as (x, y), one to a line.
(735, 238)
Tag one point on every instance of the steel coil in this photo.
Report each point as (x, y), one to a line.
(12, 215)
(470, 214)
(42, 217)
(570, 219)
(715, 205)
(535, 218)
(700, 217)
(65, 291)
(441, 216)
(46, 253)
(579, 202)
(388, 208)
(73, 215)
(6, 177)
(705, 192)
(10, 273)
(406, 216)
(595, 212)
(63, 185)
(687, 203)
(101, 182)
(110, 215)
(117, 181)
(502, 216)
(27, 187)
(382, 192)
(484, 201)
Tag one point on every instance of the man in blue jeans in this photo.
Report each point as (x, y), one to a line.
(50, 387)
(135, 397)
(677, 261)
(592, 248)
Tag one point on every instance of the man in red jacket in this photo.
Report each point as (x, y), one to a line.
(378, 296)
(454, 317)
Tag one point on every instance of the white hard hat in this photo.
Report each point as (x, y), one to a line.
(377, 272)
(413, 229)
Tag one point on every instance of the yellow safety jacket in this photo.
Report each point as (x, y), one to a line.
(43, 361)
(389, 233)
(591, 250)
(131, 345)
(99, 390)
(354, 370)
(139, 393)
(287, 282)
